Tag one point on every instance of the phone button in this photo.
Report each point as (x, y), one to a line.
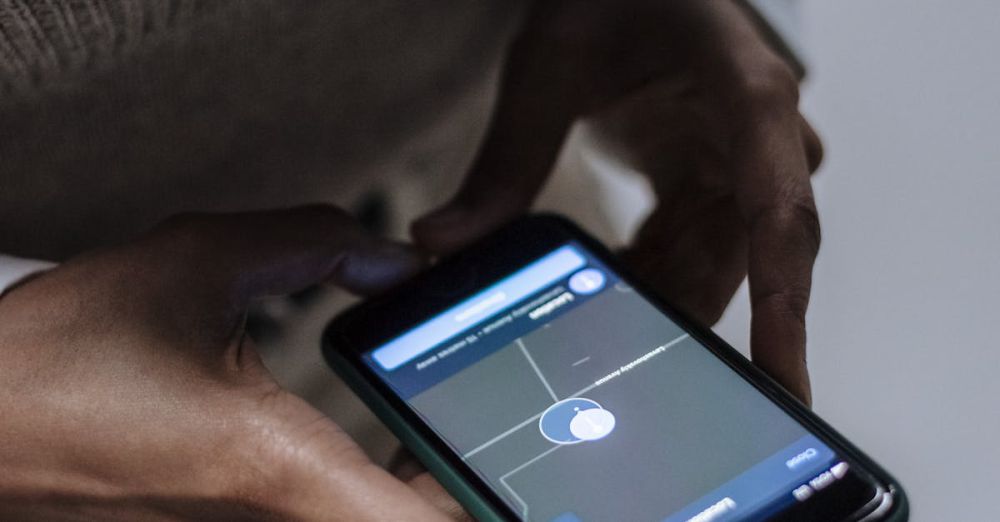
(822, 480)
(802, 493)
(721, 510)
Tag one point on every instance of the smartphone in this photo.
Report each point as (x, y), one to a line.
(538, 380)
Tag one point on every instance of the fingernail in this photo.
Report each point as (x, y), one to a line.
(399, 257)
(379, 266)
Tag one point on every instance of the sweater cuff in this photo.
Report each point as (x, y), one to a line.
(15, 269)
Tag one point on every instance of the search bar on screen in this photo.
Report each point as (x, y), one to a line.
(508, 291)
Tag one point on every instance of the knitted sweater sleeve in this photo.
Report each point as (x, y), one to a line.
(43, 42)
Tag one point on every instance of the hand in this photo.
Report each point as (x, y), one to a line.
(128, 389)
(689, 94)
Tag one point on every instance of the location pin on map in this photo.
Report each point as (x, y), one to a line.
(592, 424)
(575, 420)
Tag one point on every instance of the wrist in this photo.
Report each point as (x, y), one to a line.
(47, 488)
(50, 473)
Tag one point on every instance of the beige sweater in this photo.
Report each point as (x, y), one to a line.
(117, 113)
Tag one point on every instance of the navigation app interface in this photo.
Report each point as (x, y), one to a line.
(577, 400)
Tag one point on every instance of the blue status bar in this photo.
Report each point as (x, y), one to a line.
(501, 295)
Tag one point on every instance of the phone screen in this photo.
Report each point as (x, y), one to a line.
(577, 399)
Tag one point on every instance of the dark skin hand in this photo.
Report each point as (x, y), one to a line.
(688, 93)
(129, 391)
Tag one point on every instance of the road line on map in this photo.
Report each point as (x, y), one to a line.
(531, 361)
(529, 420)
(503, 479)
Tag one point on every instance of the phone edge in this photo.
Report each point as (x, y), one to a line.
(481, 508)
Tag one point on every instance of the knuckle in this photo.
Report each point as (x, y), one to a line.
(801, 219)
(814, 153)
(813, 146)
(788, 304)
(807, 218)
(767, 87)
(795, 223)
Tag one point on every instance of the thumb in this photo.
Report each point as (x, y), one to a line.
(312, 470)
(253, 254)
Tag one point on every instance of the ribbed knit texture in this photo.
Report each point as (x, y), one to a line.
(44, 40)
(115, 114)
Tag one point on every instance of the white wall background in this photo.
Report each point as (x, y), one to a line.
(904, 323)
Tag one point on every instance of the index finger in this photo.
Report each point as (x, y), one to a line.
(776, 201)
